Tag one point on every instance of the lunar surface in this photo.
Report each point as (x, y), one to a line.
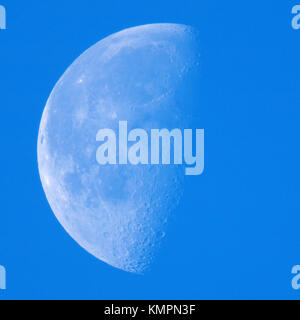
(146, 76)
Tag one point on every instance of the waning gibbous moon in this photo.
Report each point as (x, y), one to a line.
(145, 75)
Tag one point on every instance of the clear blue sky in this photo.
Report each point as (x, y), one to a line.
(237, 230)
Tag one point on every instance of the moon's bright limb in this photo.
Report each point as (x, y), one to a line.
(143, 75)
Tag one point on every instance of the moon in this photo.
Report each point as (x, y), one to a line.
(146, 75)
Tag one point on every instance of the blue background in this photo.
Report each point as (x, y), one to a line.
(236, 235)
